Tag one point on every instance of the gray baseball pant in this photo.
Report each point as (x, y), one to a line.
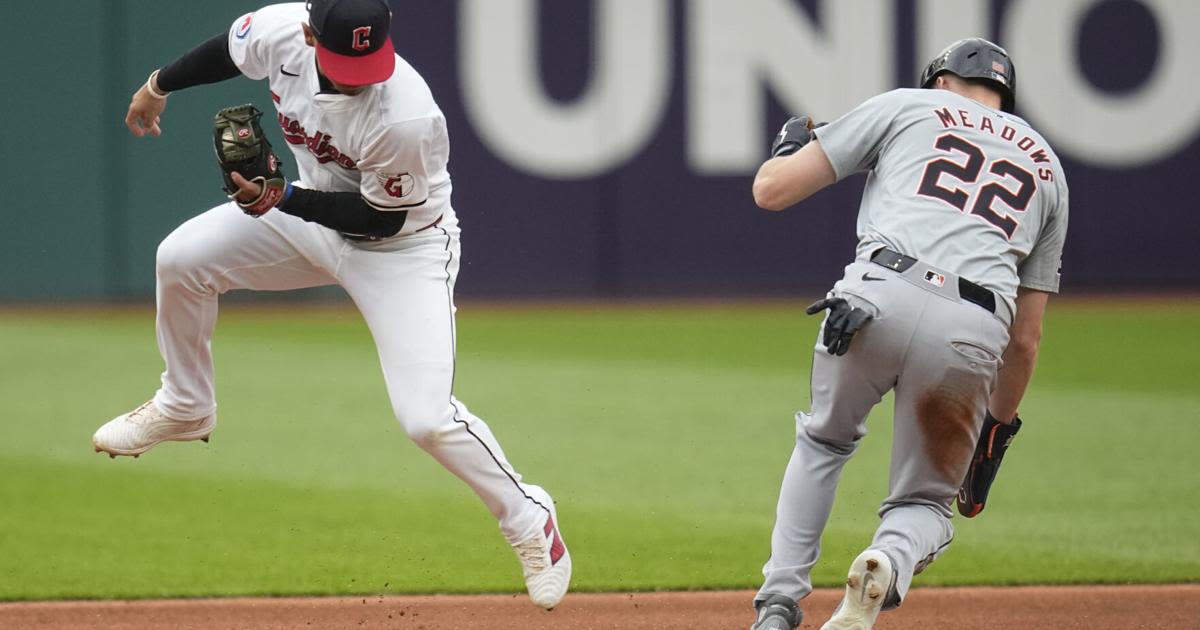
(940, 354)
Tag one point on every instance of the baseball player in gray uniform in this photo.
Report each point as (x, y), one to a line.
(960, 234)
(370, 212)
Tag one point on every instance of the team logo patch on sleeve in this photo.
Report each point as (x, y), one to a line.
(244, 28)
(398, 185)
(935, 278)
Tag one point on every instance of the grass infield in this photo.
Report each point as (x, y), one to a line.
(662, 431)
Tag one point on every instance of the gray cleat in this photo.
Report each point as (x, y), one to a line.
(777, 612)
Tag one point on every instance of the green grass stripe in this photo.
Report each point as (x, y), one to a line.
(661, 430)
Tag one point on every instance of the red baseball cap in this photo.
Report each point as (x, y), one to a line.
(353, 43)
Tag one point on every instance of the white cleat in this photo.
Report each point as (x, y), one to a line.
(139, 430)
(545, 561)
(867, 586)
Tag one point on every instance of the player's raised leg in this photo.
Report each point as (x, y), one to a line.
(412, 321)
(949, 371)
(869, 584)
(219, 250)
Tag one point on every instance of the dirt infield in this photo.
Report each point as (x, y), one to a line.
(1024, 608)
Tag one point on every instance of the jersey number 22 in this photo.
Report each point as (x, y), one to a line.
(987, 195)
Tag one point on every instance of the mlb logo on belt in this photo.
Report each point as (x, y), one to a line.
(935, 278)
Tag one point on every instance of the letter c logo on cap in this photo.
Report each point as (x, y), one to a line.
(361, 35)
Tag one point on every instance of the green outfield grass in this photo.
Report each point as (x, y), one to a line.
(661, 430)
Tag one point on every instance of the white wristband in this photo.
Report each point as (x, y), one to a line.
(150, 87)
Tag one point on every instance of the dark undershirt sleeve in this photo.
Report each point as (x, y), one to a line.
(207, 63)
(346, 212)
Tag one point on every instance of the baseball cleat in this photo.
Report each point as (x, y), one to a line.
(867, 585)
(139, 430)
(777, 612)
(545, 561)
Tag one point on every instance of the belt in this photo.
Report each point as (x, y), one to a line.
(359, 238)
(967, 290)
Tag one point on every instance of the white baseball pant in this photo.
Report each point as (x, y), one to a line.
(404, 288)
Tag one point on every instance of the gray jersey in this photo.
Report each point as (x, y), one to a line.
(956, 184)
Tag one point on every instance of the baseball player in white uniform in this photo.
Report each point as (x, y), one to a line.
(371, 212)
(960, 232)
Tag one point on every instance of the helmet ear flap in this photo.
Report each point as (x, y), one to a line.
(933, 69)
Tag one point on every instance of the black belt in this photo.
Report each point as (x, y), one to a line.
(358, 238)
(967, 290)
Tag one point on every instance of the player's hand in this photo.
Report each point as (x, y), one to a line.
(796, 133)
(256, 197)
(145, 114)
(247, 190)
(241, 149)
(841, 324)
(994, 440)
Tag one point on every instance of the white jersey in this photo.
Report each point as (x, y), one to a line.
(388, 143)
(957, 184)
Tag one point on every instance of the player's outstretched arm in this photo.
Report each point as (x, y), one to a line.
(209, 62)
(784, 181)
(1025, 336)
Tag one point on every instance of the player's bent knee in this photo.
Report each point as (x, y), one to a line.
(173, 260)
(177, 263)
(426, 434)
(811, 435)
(191, 259)
(424, 424)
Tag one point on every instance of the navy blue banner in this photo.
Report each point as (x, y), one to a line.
(607, 147)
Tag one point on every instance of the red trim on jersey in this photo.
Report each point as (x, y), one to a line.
(432, 225)
(366, 69)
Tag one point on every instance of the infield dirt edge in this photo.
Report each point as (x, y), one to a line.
(957, 608)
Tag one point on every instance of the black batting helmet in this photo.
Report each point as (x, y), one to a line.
(976, 58)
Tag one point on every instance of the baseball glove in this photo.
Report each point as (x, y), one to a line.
(242, 147)
(994, 441)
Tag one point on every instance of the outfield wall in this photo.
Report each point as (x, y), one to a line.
(606, 147)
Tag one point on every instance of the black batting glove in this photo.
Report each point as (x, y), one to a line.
(841, 324)
(993, 443)
(796, 133)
